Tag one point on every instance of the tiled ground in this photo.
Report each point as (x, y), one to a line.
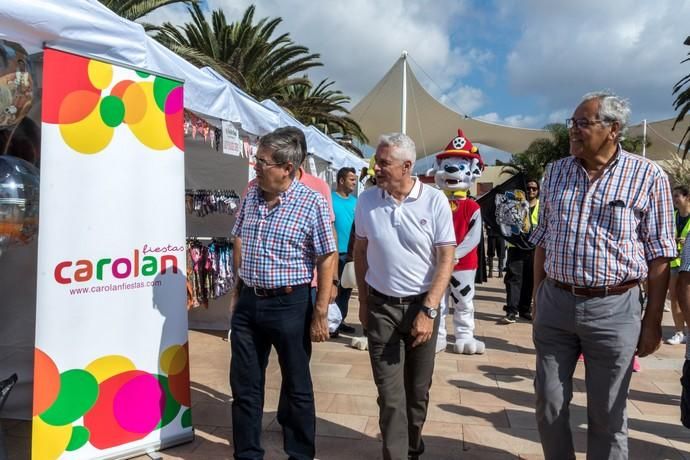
(481, 406)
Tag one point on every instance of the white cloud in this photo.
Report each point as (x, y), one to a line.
(518, 120)
(465, 99)
(570, 48)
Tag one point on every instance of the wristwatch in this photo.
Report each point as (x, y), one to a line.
(430, 312)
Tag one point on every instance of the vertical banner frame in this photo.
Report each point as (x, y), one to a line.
(111, 371)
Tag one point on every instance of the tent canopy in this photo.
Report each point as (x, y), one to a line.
(88, 27)
(432, 125)
(428, 122)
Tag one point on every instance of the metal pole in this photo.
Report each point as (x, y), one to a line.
(403, 115)
(644, 138)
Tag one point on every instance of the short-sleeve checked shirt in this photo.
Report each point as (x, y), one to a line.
(280, 245)
(603, 233)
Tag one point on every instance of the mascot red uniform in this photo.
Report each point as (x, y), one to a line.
(457, 167)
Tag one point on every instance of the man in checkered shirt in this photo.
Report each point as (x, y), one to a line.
(605, 225)
(283, 230)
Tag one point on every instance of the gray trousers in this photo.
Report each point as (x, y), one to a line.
(402, 375)
(606, 330)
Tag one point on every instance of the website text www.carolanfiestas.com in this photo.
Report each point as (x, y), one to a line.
(114, 287)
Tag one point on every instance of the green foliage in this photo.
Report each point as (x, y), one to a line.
(136, 9)
(243, 52)
(322, 107)
(634, 144)
(247, 54)
(677, 169)
(533, 161)
(682, 102)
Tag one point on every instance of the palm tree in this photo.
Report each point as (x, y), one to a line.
(322, 107)
(682, 102)
(136, 9)
(243, 52)
(533, 161)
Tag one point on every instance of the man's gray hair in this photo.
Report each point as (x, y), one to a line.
(288, 145)
(611, 108)
(403, 146)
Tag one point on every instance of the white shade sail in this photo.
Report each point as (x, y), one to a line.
(430, 123)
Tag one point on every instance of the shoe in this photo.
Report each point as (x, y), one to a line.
(334, 335)
(346, 328)
(676, 339)
(510, 318)
(527, 316)
(636, 364)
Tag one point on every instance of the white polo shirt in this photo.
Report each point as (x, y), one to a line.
(402, 237)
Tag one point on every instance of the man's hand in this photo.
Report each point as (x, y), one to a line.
(650, 339)
(319, 327)
(422, 328)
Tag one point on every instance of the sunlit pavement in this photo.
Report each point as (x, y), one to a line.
(482, 406)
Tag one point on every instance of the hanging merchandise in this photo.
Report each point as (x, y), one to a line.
(204, 202)
(196, 126)
(209, 271)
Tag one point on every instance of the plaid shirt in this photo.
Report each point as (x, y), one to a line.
(280, 245)
(604, 233)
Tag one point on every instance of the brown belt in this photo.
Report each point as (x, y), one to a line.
(601, 291)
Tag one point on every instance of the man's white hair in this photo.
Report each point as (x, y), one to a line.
(611, 108)
(403, 146)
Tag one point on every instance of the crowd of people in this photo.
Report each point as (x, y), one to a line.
(595, 284)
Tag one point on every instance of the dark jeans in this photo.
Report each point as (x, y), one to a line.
(402, 375)
(496, 246)
(343, 298)
(518, 280)
(257, 324)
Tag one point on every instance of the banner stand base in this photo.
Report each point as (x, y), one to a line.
(151, 447)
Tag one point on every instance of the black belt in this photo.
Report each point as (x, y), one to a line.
(600, 291)
(274, 292)
(397, 300)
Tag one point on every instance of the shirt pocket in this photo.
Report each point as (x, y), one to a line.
(620, 221)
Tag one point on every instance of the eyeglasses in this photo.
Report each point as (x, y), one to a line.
(583, 123)
(264, 164)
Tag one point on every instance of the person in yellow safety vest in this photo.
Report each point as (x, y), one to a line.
(519, 264)
(681, 201)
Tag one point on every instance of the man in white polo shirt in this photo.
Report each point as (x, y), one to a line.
(403, 261)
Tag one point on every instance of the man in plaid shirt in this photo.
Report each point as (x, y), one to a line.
(284, 230)
(605, 225)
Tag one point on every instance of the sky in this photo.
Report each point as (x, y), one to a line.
(523, 63)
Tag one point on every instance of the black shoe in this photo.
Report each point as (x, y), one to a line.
(527, 316)
(510, 318)
(334, 335)
(347, 329)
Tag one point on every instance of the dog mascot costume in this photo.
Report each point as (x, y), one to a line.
(457, 167)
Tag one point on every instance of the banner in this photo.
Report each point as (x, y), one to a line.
(111, 367)
(505, 211)
(231, 139)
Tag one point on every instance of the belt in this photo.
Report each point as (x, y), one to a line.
(601, 291)
(396, 300)
(274, 292)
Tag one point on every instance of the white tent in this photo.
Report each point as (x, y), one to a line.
(427, 121)
(663, 140)
(317, 142)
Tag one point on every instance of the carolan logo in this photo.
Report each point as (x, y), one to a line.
(138, 264)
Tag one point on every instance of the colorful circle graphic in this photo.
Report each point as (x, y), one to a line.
(139, 404)
(46, 372)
